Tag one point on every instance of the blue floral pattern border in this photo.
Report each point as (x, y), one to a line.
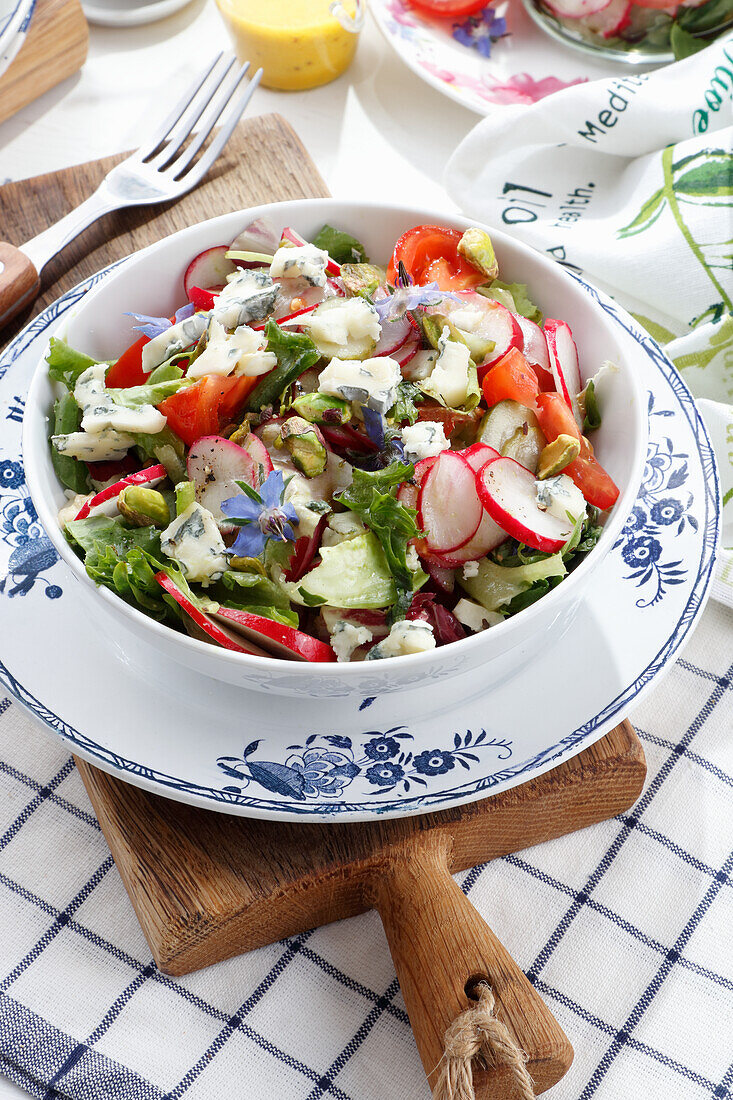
(323, 767)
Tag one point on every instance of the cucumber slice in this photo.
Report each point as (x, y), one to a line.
(502, 421)
(525, 447)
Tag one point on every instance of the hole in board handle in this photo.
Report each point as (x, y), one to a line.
(471, 986)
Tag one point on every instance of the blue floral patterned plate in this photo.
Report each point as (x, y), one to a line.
(143, 717)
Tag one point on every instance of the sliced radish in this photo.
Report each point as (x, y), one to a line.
(345, 438)
(508, 492)
(612, 19)
(576, 9)
(218, 634)
(289, 234)
(278, 639)
(259, 236)
(215, 465)
(287, 317)
(564, 363)
(393, 336)
(259, 454)
(449, 509)
(408, 350)
(210, 268)
(105, 502)
(478, 455)
(493, 322)
(489, 534)
(535, 344)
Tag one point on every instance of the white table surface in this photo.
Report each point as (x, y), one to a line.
(366, 131)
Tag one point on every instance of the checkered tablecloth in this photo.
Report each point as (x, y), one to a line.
(625, 929)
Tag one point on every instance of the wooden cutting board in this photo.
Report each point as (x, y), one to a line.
(54, 49)
(207, 886)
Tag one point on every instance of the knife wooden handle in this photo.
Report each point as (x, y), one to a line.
(19, 281)
(441, 946)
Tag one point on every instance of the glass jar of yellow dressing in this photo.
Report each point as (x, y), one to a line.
(298, 43)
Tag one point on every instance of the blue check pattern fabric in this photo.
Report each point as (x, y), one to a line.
(624, 928)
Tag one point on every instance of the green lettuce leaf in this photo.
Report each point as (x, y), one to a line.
(64, 364)
(295, 353)
(522, 300)
(66, 418)
(248, 590)
(404, 408)
(105, 531)
(371, 496)
(132, 397)
(164, 447)
(341, 247)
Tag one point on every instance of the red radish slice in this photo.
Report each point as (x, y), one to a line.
(210, 268)
(478, 455)
(535, 344)
(289, 234)
(259, 236)
(344, 437)
(576, 9)
(218, 634)
(105, 502)
(409, 349)
(612, 20)
(259, 454)
(215, 465)
(393, 336)
(496, 322)
(508, 492)
(279, 640)
(564, 363)
(449, 509)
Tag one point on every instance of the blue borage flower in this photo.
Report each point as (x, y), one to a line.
(260, 515)
(153, 326)
(390, 445)
(408, 297)
(479, 32)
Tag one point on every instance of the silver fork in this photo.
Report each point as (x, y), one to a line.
(165, 167)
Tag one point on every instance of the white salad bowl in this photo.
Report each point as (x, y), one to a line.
(151, 283)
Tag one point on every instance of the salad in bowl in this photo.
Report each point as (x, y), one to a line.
(327, 457)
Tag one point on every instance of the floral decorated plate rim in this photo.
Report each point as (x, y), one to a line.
(523, 67)
(13, 29)
(472, 745)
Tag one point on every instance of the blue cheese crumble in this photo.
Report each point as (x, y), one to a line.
(346, 637)
(248, 297)
(561, 497)
(194, 541)
(105, 446)
(370, 382)
(449, 378)
(303, 261)
(173, 339)
(424, 440)
(102, 412)
(406, 636)
(242, 353)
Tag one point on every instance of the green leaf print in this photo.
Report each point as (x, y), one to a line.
(647, 216)
(713, 178)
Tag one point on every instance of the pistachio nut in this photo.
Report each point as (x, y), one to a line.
(476, 246)
(557, 455)
(319, 408)
(306, 445)
(247, 565)
(143, 507)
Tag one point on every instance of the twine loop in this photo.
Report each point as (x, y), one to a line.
(477, 1033)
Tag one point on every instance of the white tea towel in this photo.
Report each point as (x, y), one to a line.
(629, 183)
(624, 928)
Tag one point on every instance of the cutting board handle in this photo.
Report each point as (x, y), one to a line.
(441, 948)
(19, 281)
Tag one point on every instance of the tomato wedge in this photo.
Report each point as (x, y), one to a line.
(448, 9)
(128, 370)
(555, 418)
(206, 407)
(430, 255)
(512, 378)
